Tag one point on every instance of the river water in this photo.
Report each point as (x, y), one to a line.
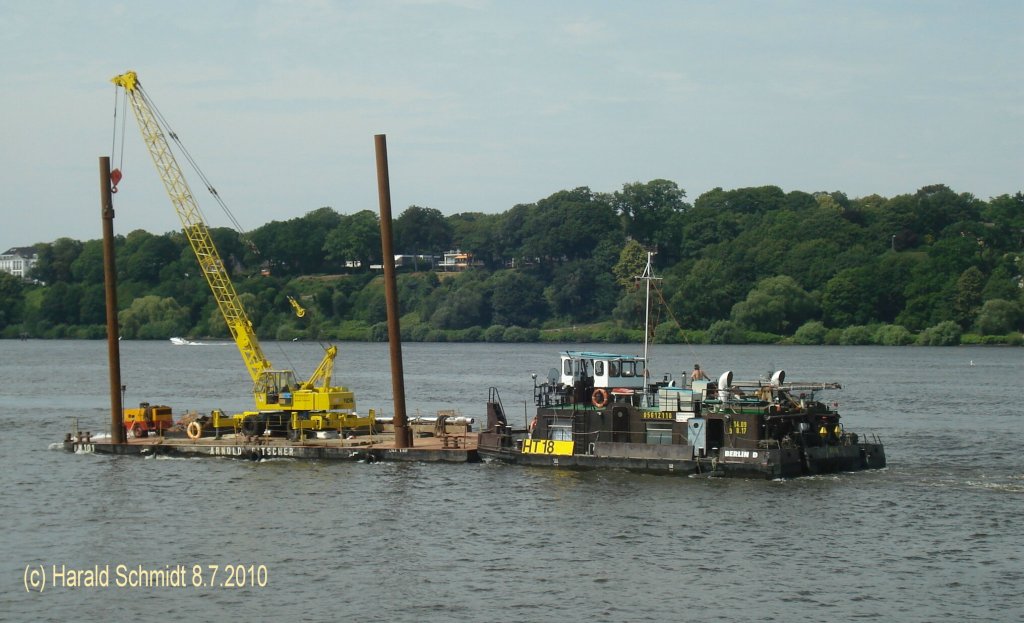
(937, 536)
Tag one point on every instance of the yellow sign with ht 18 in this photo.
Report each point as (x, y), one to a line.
(547, 446)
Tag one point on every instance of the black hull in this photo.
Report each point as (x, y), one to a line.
(767, 464)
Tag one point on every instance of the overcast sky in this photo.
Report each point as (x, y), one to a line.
(489, 104)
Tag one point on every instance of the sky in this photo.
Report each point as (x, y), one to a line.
(489, 104)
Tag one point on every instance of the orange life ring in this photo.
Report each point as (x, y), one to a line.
(194, 430)
(599, 397)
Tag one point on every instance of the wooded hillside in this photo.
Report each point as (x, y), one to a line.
(743, 265)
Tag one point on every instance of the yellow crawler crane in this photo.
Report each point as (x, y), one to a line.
(283, 403)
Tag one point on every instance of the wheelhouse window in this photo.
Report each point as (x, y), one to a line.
(598, 368)
(628, 368)
(613, 368)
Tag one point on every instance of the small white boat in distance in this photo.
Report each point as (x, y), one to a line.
(180, 341)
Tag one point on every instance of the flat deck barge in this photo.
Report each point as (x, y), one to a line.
(368, 448)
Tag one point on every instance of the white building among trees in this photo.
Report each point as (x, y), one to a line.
(18, 261)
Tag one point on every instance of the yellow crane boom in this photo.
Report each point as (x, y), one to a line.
(310, 404)
(195, 228)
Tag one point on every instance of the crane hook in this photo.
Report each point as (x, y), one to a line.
(115, 178)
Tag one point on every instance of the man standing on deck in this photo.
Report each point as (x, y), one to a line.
(698, 374)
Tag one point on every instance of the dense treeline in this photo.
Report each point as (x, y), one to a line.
(751, 264)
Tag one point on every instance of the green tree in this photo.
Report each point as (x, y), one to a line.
(630, 309)
(711, 222)
(144, 255)
(894, 273)
(1002, 283)
(968, 296)
(55, 260)
(579, 293)
(1007, 213)
(88, 266)
(856, 335)
(939, 207)
(850, 298)
(422, 230)
(775, 305)
(60, 304)
(370, 304)
(415, 289)
(998, 317)
(893, 335)
(631, 264)
(811, 332)
(810, 263)
(295, 246)
(569, 225)
(12, 300)
(464, 307)
(725, 332)
(651, 213)
(152, 317)
(946, 333)
(477, 233)
(93, 304)
(517, 299)
(705, 293)
(928, 293)
(356, 238)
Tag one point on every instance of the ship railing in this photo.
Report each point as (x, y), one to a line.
(494, 398)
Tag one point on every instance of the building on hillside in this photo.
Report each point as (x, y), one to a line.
(458, 260)
(405, 262)
(416, 262)
(18, 261)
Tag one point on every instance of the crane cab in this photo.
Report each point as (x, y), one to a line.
(275, 389)
(278, 390)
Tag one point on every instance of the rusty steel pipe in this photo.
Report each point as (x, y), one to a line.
(403, 434)
(110, 289)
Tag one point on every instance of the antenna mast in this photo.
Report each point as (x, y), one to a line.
(647, 276)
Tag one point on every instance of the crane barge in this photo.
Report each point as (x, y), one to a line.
(283, 402)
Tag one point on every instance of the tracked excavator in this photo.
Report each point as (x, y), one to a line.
(285, 404)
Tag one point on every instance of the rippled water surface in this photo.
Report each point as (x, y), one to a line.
(937, 536)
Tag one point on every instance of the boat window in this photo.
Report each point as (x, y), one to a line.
(659, 432)
(598, 368)
(560, 429)
(567, 367)
(639, 368)
(613, 368)
(628, 368)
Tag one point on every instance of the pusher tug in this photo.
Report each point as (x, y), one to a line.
(598, 410)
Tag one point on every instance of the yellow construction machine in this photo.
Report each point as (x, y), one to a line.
(284, 403)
